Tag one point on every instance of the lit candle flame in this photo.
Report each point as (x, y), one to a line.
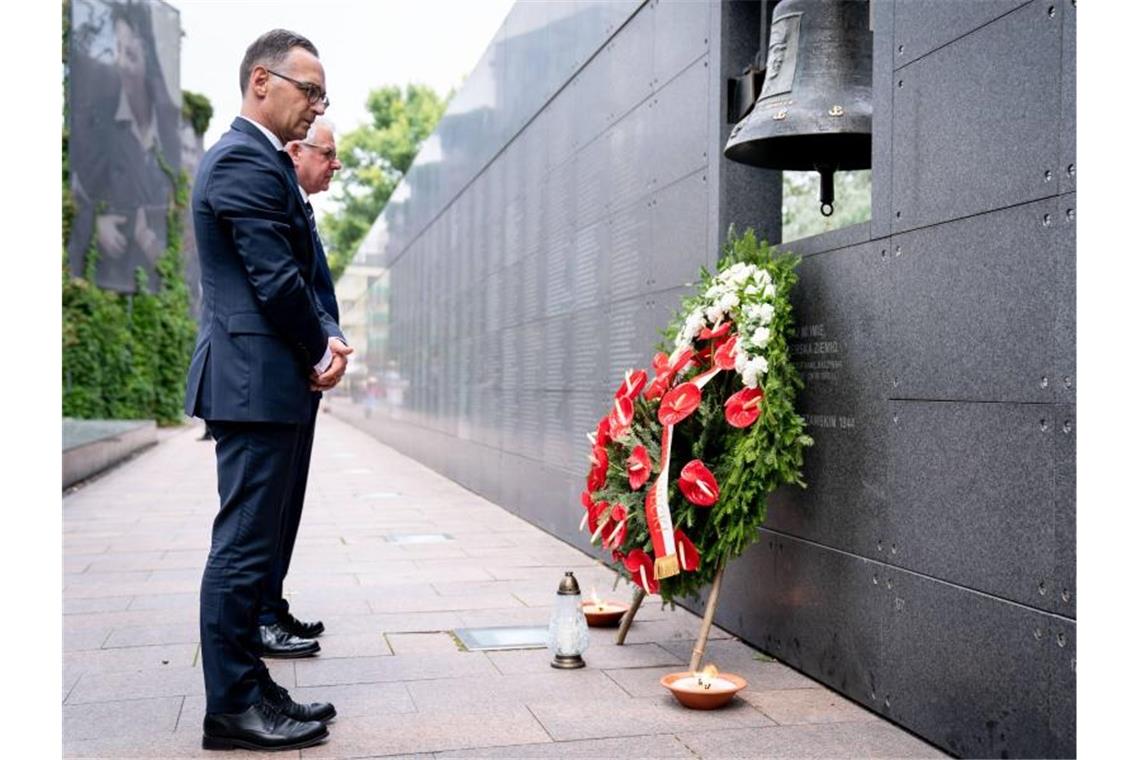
(594, 598)
(706, 677)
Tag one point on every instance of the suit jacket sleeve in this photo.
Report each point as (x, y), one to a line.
(245, 193)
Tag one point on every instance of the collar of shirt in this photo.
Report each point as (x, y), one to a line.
(123, 113)
(304, 195)
(273, 140)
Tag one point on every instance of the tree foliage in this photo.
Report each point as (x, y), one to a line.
(197, 111)
(375, 157)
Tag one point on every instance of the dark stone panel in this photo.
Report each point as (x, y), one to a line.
(593, 182)
(816, 609)
(630, 66)
(630, 146)
(680, 217)
(838, 348)
(972, 306)
(1063, 694)
(957, 116)
(680, 139)
(1064, 589)
(680, 36)
(746, 196)
(924, 25)
(587, 350)
(824, 242)
(966, 671)
(1068, 157)
(627, 347)
(882, 97)
(971, 495)
(1064, 378)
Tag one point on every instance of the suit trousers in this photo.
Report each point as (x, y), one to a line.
(274, 605)
(256, 463)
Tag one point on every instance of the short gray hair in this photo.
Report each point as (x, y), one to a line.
(270, 49)
(321, 122)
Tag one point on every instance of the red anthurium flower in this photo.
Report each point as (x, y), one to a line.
(698, 484)
(742, 408)
(587, 505)
(615, 532)
(723, 357)
(657, 388)
(640, 568)
(600, 462)
(687, 553)
(632, 385)
(720, 330)
(602, 434)
(618, 556)
(621, 418)
(682, 360)
(637, 466)
(595, 517)
(660, 362)
(679, 403)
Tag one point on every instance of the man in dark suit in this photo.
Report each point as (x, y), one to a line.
(282, 634)
(264, 345)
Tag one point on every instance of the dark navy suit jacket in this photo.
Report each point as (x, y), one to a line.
(262, 326)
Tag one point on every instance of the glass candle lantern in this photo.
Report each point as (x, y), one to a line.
(567, 637)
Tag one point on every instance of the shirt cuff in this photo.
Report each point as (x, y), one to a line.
(324, 363)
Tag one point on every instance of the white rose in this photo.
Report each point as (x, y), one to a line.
(765, 312)
(763, 277)
(741, 361)
(749, 377)
(761, 336)
(769, 291)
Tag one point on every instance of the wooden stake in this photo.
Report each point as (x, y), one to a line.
(627, 618)
(706, 624)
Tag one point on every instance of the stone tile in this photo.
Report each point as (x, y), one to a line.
(430, 732)
(437, 603)
(850, 740)
(354, 645)
(144, 635)
(131, 659)
(794, 706)
(315, 672)
(515, 616)
(123, 718)
(539, 687)
(646, 682)
(360, 699)
(120, 561)
(629, 656)
(176, 745)
(633, 717)
(422, 643)
(158, 601)
(77, 637)
(146, 684)
(95, 604)
(643, 747)
(391, 623)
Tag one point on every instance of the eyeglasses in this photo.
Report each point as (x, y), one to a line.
(328, 153)
(312, 91)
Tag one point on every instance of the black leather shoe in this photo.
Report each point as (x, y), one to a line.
(277, 642)
(300, 627)
(279, 697)
(263, 726)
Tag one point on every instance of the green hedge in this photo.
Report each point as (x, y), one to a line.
(125, 356)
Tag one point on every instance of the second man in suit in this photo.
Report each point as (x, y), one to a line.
(282, 634)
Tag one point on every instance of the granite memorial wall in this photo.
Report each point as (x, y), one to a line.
(572, 190)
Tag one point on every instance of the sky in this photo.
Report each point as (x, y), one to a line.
(363, 45)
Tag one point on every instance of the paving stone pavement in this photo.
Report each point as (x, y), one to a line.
(135, 541)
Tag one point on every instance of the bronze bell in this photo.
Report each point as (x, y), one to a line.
(813, 112)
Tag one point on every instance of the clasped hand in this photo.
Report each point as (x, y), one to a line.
(328, 379)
